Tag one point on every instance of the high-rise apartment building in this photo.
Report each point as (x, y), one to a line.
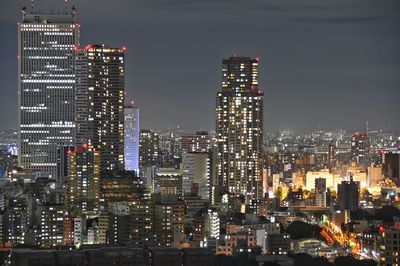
(46, 82)
(100, 102)
(131, 138)
(83, 181)
(239, 128)
(359, 144)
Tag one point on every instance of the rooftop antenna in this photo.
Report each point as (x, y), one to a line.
(366, 133)
(32, 4)
(73, 11)
(65, 6)
(23, 11)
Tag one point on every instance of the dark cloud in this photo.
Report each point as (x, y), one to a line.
(334, 62)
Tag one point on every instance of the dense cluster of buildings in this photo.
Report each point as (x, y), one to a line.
(85, 175)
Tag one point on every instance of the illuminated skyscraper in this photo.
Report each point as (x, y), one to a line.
(239, 128)
(45, 88)
(100, 103)
(131, 139)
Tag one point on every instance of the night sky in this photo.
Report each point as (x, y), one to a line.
(324, 63)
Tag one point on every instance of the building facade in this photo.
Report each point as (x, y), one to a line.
(196, 173)
(83, 181)
(349, 195)
(149, 148)
(199, 142)
(46, 83)
(100, 85)
(131, 139)
(359, 144)
(239, 128)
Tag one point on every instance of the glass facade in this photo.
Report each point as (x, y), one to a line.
(46, 85)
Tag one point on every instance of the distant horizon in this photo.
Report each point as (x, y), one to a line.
(188, 130)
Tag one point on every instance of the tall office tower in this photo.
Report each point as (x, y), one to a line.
(391, 165)
(199, 142)
(131, 139)
(149, 148)
(359, 147)
(100, 103)
(83, 187)
(196, 173)
(45, 88)
(349, 195)
(239, 128)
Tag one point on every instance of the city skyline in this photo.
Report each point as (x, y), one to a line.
(112, 164)
(357, 45)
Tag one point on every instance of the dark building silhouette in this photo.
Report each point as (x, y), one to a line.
(391, 166)
(349, 195)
